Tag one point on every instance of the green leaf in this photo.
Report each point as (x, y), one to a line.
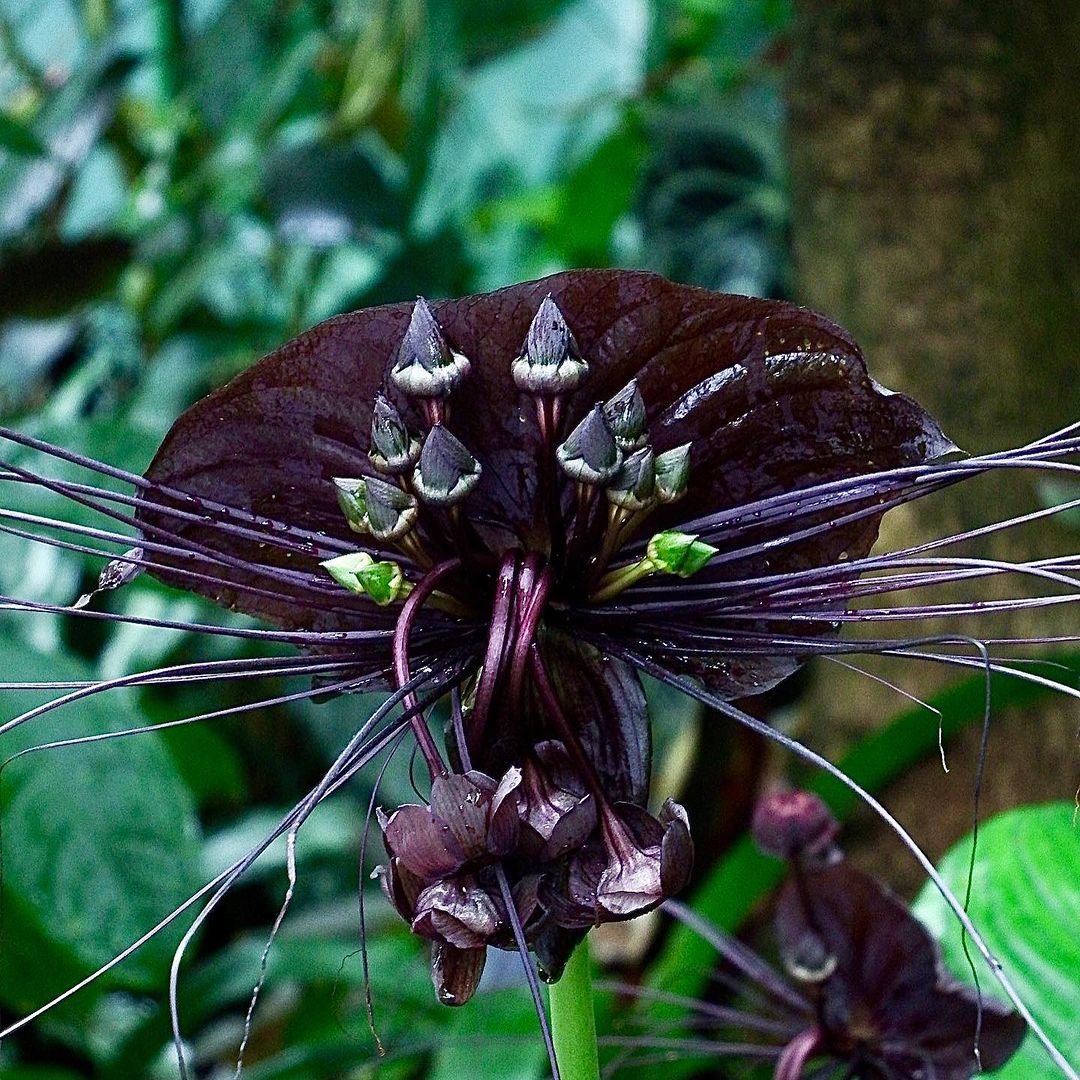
(100, 840)
(502, 1024)
(1025, 900)
(532, 115)
(18, 139)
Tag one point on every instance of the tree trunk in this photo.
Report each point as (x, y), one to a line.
(934, 160)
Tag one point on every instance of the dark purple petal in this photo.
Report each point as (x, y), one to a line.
(888, 986)
(460, 804)
(423, 845)
(400, 886)
(456, 972)
(558, 813)
(604, 701)
(772, 397)
(676, 849)
(458, 912)
(504, 821)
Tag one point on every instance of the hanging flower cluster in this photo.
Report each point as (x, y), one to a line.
(866, 993)
(523, 499)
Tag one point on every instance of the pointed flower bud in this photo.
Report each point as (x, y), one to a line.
(794, 824)
(633, 486)
(679, 553)
(391, 512)
(551, 363)
(393, 449)
(358, 572)
(625, 414)
(456, 972)
(447, 472)
(672, 473)
(352, 498)
(590, 455)
(426, 366)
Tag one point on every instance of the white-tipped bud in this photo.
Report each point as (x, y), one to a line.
(550, 363)
(673, 473)
(625, 414)
(391, 512)
(590, 455)
(352, 498)
(633, 486)
(393, 449)
(447, 472)
(426, 366)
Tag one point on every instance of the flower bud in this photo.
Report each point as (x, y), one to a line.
(391, 512)
(447, 472)
(590, 455)
(550, 363)
(633, 486)
(393, 449)
(383, 582)
(679, 553)
(790, 824)
(456, 972)
(672, 473)
(426, 366)
(457, 911)
(625, 414)
(352, 498)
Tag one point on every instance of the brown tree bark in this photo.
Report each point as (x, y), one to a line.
(934, 165)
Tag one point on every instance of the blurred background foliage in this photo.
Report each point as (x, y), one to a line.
(183, 186)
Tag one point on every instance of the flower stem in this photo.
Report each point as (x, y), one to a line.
(573, 1021)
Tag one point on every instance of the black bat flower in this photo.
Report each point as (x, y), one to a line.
(524, 498)
(866, 993)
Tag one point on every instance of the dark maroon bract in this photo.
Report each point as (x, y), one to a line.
(495, 464)
(519, 502)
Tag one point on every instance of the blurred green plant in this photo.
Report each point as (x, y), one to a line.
(182, 187)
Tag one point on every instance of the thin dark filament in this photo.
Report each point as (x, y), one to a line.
(355, 755)
(237, 868)
(264, 959)
(276, 534)
(233, 710)
(295, 637)
(361, 904)
(182, 543)
(727, 709)
(919, 480)
(332, 603)
(202, 671)
(743, 959)
(849, 575)
(706, 1011)
(277, 528)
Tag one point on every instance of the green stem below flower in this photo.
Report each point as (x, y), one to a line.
(573, 1020)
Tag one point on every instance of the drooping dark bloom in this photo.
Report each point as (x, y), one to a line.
(524, 498)
(868, 995)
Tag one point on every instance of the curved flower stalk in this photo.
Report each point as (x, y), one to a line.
(525, 498)
(864, 991)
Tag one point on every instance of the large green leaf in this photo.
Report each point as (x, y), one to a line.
(100, 841)
(1025, 900)
(534, 114)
